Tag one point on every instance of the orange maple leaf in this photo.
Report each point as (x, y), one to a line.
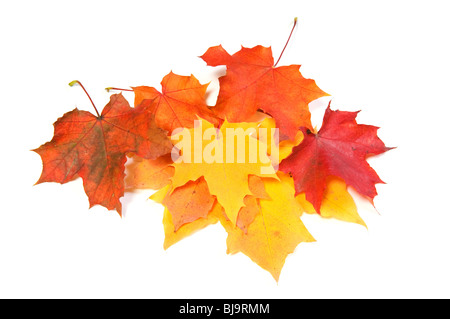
(144, 173)
(179, 104)
(184, 219)
(252, 82)
(189, 202)
(191, 207)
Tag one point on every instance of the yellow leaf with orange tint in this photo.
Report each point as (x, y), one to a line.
(225, 158)
(284, 147)
(337, 203)
(161, 194)
(275, 232)
(172, 236)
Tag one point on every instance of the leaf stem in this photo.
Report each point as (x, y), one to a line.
(79, 83)
(117, 89)
(290, 34)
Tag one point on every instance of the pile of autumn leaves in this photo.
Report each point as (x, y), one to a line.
(260, 212)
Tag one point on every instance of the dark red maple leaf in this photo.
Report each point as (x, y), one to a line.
(340, 148)
(95, 148)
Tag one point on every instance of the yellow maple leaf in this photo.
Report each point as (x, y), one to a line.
(277, 150)
(176, 231)
(337, 203)
(275, 232)
(171, 236)
(225, 158)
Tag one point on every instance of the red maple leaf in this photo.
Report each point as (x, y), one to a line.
(95, 148)
(252, 82)
(340, 148)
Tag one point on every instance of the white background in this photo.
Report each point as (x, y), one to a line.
(389, 59)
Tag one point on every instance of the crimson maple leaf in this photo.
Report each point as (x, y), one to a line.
(340, 148)
(252, 82)
(95, 148)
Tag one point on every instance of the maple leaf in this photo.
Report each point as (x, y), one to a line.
(340, 149)
(180, 102)
(337, 203)
(228, 181)
(172, 236)
(252, 82)
(189, 202)
(192, 202)
(275, 231)
(256, 187)
(277, 150)
(95, 148)
(195, 221)
(259, 208)
(248, 213)
(144, 173)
